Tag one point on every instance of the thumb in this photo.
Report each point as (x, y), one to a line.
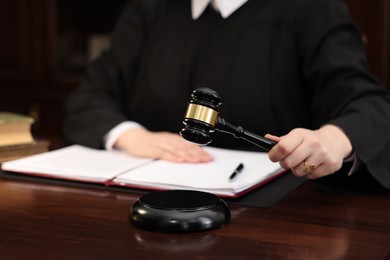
(273, 137)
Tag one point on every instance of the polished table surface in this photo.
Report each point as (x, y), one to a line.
(46, 221)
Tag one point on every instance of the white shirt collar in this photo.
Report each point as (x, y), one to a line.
(225, 7)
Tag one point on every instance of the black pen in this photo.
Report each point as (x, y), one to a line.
(236, 171)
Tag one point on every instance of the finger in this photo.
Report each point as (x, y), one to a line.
(311, 169)
(306, 167)
(168, 156)
(319, 171)
(272, 137)
(192, 155)
(198, 154)
(327, 167)
(285, 146)
(295, 158)
(185, 156)
(178, 149)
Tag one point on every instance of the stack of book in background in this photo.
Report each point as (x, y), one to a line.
(16, 139)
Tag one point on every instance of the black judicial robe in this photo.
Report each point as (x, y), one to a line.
(278, 64)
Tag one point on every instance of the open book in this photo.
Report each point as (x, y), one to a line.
(83, 164)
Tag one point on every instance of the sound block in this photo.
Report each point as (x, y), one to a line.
(179, 211)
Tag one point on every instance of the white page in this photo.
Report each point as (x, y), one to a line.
(76, 162)
(211, 177)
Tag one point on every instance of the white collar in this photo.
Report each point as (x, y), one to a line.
(225, 7)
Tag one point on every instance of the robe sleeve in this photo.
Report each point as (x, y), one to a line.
(342, 90)
(98, 105)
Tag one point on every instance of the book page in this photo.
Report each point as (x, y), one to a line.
(76, 162)
(116, 168)
(210, 177)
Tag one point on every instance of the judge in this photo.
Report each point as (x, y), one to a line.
(293, 70)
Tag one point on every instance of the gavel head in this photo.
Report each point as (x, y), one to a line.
(201, 116)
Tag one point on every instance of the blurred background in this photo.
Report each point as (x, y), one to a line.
(46, 45)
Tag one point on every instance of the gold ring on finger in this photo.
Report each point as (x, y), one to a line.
(309, 167)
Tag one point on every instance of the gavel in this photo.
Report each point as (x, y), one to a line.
(202, 119)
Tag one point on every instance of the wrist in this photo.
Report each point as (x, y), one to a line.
(111, 138)
(338, 139)
(128, 136)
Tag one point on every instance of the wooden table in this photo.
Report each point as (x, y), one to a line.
(44, 221)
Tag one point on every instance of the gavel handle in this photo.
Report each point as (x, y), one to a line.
(223, 126)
